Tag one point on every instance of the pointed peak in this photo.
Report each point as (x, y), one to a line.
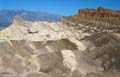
(17, 19)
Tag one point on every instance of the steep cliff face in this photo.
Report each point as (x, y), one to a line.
(101, 18)
(100, 13)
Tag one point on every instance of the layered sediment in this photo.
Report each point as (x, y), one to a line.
(100, 19)
(71, 48)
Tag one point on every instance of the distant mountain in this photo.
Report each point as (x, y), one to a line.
(7, 16)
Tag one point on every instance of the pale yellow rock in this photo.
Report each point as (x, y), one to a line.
(78, 43)
(5, 33)
(69, 59)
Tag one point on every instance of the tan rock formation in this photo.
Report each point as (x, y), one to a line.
(101, 18)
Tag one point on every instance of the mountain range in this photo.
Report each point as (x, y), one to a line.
(7, 16)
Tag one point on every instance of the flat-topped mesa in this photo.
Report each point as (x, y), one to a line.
(101, 18)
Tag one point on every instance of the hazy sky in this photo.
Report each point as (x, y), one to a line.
(62, 7)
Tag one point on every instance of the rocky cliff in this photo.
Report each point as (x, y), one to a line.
(98, 19)
(58, 49)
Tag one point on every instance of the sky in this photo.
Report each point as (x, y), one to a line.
(61, 7)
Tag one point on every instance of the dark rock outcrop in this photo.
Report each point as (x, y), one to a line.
(104, 49)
